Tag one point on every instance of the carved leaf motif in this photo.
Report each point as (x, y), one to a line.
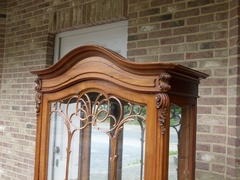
(38, 99)
(163, 82)
(162, 104)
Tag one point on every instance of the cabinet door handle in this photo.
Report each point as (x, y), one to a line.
(56, 149)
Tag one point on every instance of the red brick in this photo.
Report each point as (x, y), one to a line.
(234, 172)
(203, 147)
(233, 110)
(205, 91)
(214, 82)
(183, 14)
(215, 8)
(199, 3)
(233, 80)
(162, 2)
(172, 40)
(131, 45)
(202, 165)
(233, 131)
(234, 50)
(133, 15)
(185, 48)
(234, 12)
(199, 37)
(203, 128)
(172, 24)
(233, 141)
(147, 43)
(204, 110)
(219, 129)
(163, 17)
(199, 55)
(214, 26)
(207, 138)
(147, 59)
(234, 31)
(222, 16)
(220, 91)
(171, 57)
(219, 149)
(162, 33)
(234, 3)
(218, 168)
(132, 30)
(234, 70)
(200, 19)
(186, 30)
(139, 21)
(137, 52)
(159, 50)
(233, 161)
(149, 12)
(213, 45)
(234, 22)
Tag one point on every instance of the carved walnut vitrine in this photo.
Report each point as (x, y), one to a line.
(102, 117)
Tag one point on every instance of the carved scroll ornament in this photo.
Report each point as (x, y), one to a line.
(162, 100)
(162, 103)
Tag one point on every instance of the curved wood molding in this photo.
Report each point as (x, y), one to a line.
(93, 62)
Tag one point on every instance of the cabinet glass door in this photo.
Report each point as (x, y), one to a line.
(181, 146)
(95, 136)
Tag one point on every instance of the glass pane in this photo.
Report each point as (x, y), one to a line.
(175, 125)
(96, 137)
(133, 151)
(99, 154)
(57, 142)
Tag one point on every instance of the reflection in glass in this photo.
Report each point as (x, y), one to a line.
(175, 125)
(96, 137)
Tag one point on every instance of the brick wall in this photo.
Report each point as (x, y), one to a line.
(201, 34)
(3, 14)
(233, 125)
(196, 34)
(30, 28)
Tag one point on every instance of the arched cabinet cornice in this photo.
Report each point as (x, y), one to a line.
(94, 62)
(99, 86)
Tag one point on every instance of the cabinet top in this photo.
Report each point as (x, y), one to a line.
(92, 62)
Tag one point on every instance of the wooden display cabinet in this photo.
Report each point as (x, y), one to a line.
(100, 116)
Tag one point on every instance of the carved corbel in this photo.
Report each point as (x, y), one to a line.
(163, 82)
(162, 100)
(38, 86)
